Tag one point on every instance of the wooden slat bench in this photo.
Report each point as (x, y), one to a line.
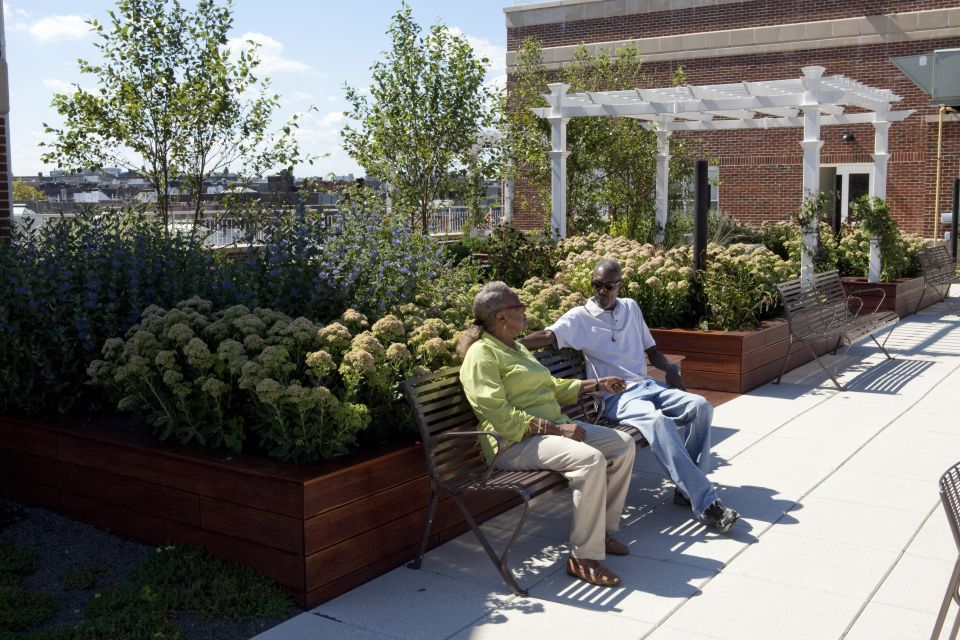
(939, 271)
(450, 434)
(818, 309)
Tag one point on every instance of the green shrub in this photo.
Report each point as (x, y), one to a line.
(516, 256)
(187, 578)
(83, 578)
(306, 391)
(22, 609)
(740, 285)
(16, 560)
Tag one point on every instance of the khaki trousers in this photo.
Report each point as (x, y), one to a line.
(599, 491)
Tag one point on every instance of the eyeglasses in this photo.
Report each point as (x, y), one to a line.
(514, 306)
(609, 286)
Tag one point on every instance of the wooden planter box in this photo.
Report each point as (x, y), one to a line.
(733, 361)
(901, 295)
(318, 530)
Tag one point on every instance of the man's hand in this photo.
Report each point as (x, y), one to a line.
(572, 431)
(673, 378)
(611, 384)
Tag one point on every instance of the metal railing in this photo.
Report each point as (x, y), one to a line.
(451, 220)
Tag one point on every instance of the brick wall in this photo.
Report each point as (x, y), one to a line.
(761, 171)
(711, 18)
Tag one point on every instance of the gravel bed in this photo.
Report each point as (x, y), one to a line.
(63, 545)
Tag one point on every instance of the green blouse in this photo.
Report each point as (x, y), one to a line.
(507, 387)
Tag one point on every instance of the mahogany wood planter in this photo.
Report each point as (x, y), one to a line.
(733, 361)
(901, 295)
(318, 530)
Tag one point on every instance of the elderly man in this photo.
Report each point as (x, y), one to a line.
(613, 337)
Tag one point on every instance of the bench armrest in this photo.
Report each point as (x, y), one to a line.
(860, 292)
(599, 405)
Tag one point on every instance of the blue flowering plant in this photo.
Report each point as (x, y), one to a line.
(317, 265)
(69, 285)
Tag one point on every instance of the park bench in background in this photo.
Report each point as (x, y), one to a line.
(817, 309)
(450, 434)
(939, 271)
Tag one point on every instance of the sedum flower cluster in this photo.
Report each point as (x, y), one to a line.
(900, 260)
(739, 285)
(659, 280)
(260, 380)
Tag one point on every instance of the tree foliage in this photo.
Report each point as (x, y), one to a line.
(171, 102)
(24, 191)
(611, 168)
(422, 122)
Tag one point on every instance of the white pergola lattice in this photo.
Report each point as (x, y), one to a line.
(810, 101)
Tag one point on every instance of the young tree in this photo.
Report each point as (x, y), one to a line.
(612, 161)
(24, 191)
(423, 119)
(170, 102)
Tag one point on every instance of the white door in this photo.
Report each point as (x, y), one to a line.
(849, 183)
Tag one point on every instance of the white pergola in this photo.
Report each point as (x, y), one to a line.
(810, 101)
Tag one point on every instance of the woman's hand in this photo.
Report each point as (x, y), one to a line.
(611, 384)
(572, 431)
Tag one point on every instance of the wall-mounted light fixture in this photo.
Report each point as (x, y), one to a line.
(847, 136)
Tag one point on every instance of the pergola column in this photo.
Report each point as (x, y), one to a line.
(663, 181)
(811, 145)
(881, 157)
(558, 160)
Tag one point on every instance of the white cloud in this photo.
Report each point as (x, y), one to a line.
(270, 53)
(59, 29)
(482, 47)
(59, 86)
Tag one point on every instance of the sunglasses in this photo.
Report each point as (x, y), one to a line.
(609, 286)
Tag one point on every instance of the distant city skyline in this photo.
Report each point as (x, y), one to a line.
(309, 50)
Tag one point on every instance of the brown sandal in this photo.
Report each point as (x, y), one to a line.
(592, 571)
(616, 548)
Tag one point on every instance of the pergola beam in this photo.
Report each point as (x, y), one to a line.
(812, 101)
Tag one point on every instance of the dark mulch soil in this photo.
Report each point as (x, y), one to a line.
(64, 547)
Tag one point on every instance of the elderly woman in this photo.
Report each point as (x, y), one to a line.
(514, 395)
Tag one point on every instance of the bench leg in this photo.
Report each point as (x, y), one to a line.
(823, 366)
(786, 359)
(425, 536)
(499, 561)
(872, 337)
(951, 594)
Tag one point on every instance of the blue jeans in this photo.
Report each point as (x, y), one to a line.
(657, 411)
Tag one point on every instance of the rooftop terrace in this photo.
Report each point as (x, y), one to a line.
(842, 535)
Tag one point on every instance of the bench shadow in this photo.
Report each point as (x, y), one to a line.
(888, 377)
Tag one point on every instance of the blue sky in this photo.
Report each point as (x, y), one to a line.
(309, 49)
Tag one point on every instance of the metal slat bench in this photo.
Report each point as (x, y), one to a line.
(450, 434)
(818, 309)
(938, 271)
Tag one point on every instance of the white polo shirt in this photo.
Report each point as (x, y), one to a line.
(613, 342)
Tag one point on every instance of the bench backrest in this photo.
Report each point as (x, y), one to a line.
(935, 260)
(813, 304)
(440, 406)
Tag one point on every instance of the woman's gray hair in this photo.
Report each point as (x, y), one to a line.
(491, 299)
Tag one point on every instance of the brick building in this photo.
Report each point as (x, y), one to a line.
(725, 41)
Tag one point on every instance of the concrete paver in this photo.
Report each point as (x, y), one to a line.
(842, 535)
